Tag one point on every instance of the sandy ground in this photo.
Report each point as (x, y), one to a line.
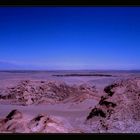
(71, 112)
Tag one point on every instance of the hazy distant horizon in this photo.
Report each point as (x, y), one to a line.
(4, 70)
(14, 66)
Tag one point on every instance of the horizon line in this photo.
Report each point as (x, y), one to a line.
(70, 70)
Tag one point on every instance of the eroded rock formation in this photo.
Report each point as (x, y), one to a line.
(16, 122)
(119, 109)
(36, 92)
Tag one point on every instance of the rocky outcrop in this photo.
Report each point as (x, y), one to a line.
(36, 92)
(12, 122)
(14, 114)
(16, 122)
(119, 109)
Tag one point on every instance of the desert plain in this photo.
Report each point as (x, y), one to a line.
(74, 101)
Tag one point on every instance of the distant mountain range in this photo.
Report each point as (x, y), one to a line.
(9, 66)
(13, 66)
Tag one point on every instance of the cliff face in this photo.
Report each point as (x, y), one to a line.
(118, 110)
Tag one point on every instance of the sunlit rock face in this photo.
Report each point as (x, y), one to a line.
(118, 110)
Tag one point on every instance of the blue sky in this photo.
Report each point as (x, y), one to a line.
(70, 37)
